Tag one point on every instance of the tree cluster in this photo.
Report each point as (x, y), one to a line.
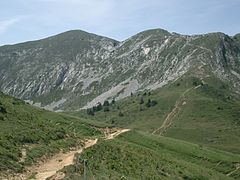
(99, 107)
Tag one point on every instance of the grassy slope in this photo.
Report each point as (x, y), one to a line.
(138, 155)
(210, 117)
(40, 132)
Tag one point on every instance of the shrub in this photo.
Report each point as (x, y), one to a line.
(120, 114)
(60, 134)
(99, 107)
(106, 103)
(90, 112)
(194, 83)
(151, 103)
(3, 110)
(219, 108)
(106, 109)
(141, 101)
(113, 101)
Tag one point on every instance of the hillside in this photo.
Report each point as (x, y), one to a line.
(197, 108)
(137, 155)
(55, 69)
(29, 134)
(77, 69)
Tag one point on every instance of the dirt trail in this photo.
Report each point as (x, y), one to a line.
(237, 167)
(115, 134)
(57, 162)
(24, 154)
(50, 167)
(177, 107)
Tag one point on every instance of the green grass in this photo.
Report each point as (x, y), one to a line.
(147, 119)
(40, 132)
(203, 141)
(211, 115)
(90, 122)
(138, 155)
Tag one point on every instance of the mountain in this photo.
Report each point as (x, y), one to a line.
(55, 69)
(77, 69)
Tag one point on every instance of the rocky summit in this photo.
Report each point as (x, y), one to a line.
(77, 69)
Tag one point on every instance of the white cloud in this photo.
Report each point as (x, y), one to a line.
(6, 24)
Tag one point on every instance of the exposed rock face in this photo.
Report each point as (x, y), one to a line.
(78, 69)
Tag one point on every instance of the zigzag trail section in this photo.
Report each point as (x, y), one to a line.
(177, 107)
(49, 169)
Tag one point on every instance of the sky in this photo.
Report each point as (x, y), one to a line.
(25, 20)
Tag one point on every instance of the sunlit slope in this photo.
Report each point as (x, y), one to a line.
(202, 110)
(137, 155)
(38, 132)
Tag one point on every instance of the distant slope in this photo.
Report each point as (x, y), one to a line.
(198, 108)
(28, 134)
(79, 69)
(137, 155)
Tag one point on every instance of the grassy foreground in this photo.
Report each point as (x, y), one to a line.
(137, 155)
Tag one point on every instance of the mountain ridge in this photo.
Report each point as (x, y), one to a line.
(104, 36)
(78, 69)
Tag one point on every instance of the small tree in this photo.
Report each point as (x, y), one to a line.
(141, 101)
(106, 103)
(113, 101)
(94, 108)
(148, 103)
(90, 112)
(99, 107)
(151, 103)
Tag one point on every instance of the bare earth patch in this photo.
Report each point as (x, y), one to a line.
(50, 168)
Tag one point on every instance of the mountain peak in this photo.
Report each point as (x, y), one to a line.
(82, 69)
(153, 32)
(79, 34)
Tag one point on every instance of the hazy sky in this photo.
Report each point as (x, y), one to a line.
(23, 20)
